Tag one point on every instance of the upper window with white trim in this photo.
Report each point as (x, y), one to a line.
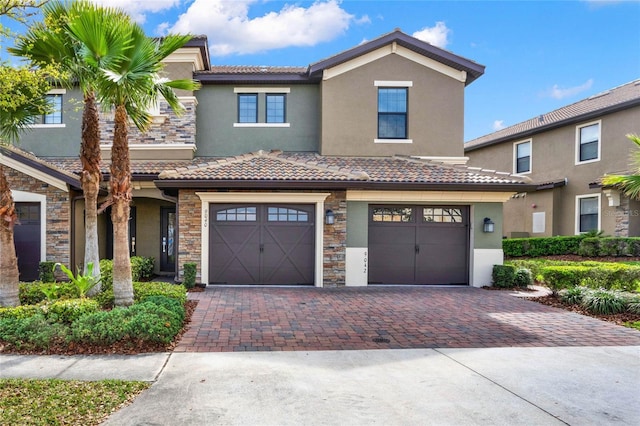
(54, 117)
(522, 157)
(392, 112)
(247, 108)
(275, 107)
(588, 143)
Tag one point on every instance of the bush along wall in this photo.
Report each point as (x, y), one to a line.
(579, 244)
(612, 276)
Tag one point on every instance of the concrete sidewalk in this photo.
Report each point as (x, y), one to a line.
(528, 386)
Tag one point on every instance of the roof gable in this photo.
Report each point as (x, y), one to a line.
(409, 47)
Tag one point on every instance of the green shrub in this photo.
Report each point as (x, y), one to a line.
(504, 276)
(33, 332)
(153, 323)
(45, 272)
(190, 272)
(522, 278)
(603, 302)
(609, 246)
(23, 311)
(534, 247)
(533, 265)
(36, 292)
(573, 296)
(171, 304)
(105, 298)
(172, 291)
(69, 310)
(633, 306)
(142, 268)
(102, 327)
(83, 282)
(560, 277)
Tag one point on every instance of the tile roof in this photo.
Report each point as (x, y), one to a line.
(610, 100)
(254, 69)
(300, 167)
(138, 167)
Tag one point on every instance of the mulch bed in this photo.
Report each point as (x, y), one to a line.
(554, 300)
(120, 348)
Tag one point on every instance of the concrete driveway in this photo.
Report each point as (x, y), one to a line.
(234, 319)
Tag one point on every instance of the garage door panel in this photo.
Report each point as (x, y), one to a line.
(265, 244)
(429, 245)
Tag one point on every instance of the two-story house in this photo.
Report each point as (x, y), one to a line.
(566, 152)
(349, 171)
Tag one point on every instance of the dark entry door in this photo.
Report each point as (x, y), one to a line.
(261, 244)
(26, 236)
(418, 244)
(168, 237)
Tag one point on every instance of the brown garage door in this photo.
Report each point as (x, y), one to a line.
(418, 244)
(261, 244)
(26, 237)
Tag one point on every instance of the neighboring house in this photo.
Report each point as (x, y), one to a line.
(566, 152)
(346, 172)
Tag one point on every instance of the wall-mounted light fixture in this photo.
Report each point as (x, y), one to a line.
(329, 217)
(488, 225)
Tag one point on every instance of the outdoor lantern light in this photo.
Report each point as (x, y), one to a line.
(488, 225)
(329, 217)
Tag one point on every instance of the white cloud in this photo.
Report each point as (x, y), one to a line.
(231, 30)
(498, 125)
(437, 35)
(557, 92)
(138, 8)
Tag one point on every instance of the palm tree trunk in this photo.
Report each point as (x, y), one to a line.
(120, 187)
(9, 274)
(90, 179)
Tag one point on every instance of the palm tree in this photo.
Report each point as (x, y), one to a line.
(22, 98)
(51, 43)
(629, 184)
(129, 85)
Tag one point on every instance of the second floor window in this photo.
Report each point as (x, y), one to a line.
(392, 113)
(588, 142)
(523, 157)
(248, 108)
(275, 108)
(55, 116)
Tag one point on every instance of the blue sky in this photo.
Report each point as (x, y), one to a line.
(539, 55)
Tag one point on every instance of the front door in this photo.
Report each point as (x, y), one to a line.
(168, 238)
(132, 232)
(26, 236)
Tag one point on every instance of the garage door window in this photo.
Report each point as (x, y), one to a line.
(440, 215)
(392, 214)
(282, 214)
(240, 214)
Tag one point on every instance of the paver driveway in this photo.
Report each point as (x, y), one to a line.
(277, 319)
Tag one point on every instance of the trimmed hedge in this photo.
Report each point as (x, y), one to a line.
(613, 276)
(509, 276)
(578, 244)
(534, 247)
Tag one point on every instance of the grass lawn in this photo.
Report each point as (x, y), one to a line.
(63, 402)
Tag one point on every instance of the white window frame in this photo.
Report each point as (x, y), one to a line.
(577, 147)
(577, 211)
(394, 83)
(515, 157)
(53, 126)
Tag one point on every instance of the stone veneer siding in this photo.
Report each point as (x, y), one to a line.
(58, 213)
(189, 232)
(335, 236)
(173, 129)
(622, 218)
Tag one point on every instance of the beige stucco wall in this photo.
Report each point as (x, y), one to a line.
(350, 111)
(553, 158)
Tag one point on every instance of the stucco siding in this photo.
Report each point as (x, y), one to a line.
(350, 111)
(218, 110)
